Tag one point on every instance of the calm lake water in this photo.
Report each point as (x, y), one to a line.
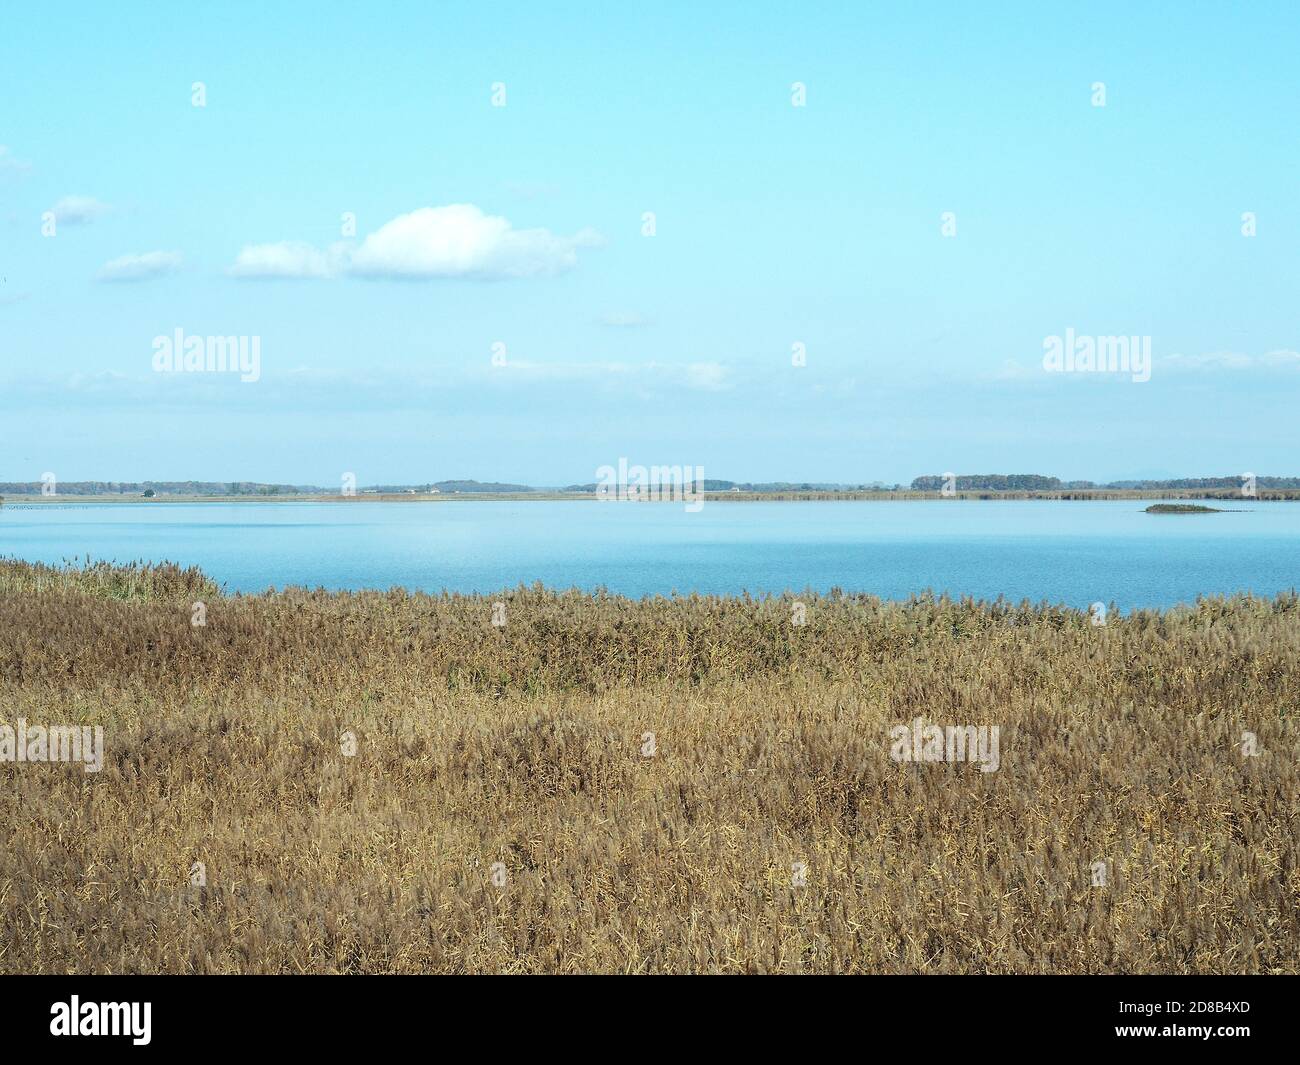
(1067, 552)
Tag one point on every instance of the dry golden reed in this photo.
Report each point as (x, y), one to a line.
(673, 785)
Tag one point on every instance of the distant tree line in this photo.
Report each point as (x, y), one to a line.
(1033, 482)
(991, 482)
(158, 488)
(714, 485)
(1209, 482)
(971, 482)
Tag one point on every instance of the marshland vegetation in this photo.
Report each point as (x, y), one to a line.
(389, 782)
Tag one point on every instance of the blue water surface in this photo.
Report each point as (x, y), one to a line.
(1071, 552)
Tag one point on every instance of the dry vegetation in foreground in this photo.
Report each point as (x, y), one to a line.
(523, 746)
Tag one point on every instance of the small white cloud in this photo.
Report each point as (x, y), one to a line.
(459, 240)
(1232, 360)
(1217, 360)
(78, 210)
(709, 376)
(623, 320)
(650, 377)
(103, 381)
(141, 267)
(523, 370)
(1011, 370)
(1282, 357)
(287, 260)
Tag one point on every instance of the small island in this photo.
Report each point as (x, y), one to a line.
(1181, 508)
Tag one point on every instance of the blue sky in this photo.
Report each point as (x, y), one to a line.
(523, 225)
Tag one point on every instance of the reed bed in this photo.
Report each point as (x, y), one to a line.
(389, 782)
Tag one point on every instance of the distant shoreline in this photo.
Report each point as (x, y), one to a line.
(882, 496)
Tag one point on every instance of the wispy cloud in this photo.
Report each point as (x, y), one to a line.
(456, 384)
(624, 320)
(142, 267)
(78, 210)
(9, 162)
(455, 241)
(707, 376)
(697, 376)
(1235, 362)
(1280, 359)
(288, 260)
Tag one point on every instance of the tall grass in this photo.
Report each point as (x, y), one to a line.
(163, 582)
(526, 746)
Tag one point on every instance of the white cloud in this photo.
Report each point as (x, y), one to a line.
(532, 372)
(1281, 357)
(1187, 367)
(78, 210)
(287, 260)
(1218, 360)
(459, 240)
(701, 376)
(1011, 370)
(456, 241)
(103, 381)
(141, 267)
(1231, 360)
(709, 376)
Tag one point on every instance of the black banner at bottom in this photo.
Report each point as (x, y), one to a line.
(144, 1014)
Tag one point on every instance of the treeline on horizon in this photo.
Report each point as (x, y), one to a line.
(244, 488)
(1033, 482)
(987, 482)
